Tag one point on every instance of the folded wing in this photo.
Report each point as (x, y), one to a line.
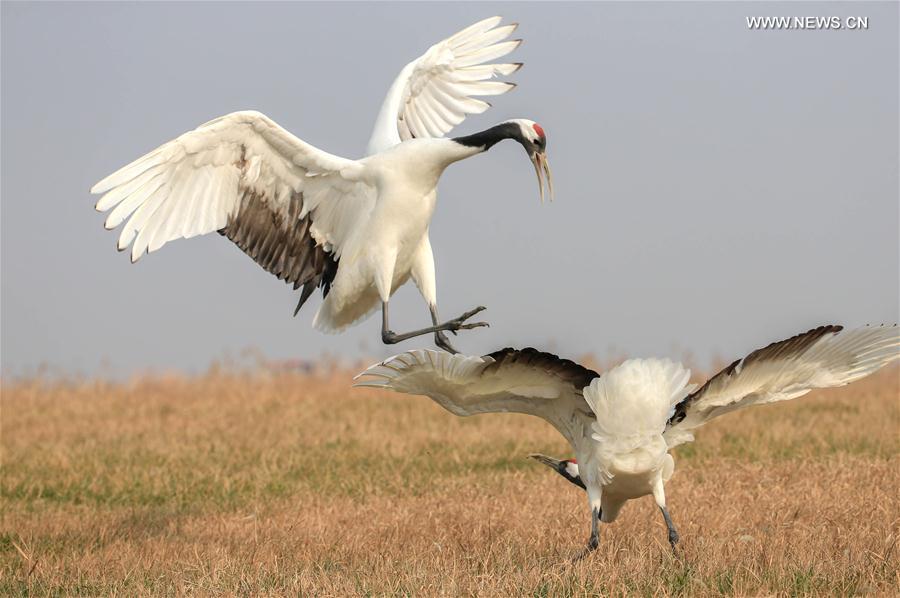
(516, 381)
(820, 358)
(290, 206)
(436, 92)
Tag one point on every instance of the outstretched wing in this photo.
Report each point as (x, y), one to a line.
(516, 381)
(820, 358)
(288, 205)
(435, 92)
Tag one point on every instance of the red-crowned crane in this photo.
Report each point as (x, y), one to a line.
(358, 229)
(622, 423)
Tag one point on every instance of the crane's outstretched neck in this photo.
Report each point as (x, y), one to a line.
(447, 151)
(485, 140)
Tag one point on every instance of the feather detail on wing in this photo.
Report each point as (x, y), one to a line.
(820, 358)
(288, 205)
(526, 381)
(436, 92)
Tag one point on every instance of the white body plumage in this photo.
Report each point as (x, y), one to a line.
(391, 243)
(627, 456)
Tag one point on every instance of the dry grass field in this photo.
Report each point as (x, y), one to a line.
(282, 483)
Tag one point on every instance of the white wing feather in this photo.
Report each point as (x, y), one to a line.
(821, 358)
(192, 184)
(434, 93)
(467, 385)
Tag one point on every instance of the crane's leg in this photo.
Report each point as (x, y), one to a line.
(673, 533)
(389, 337)
(422, 272)
(440, 339)
(659, 495)
(594, 539)
(596, 513)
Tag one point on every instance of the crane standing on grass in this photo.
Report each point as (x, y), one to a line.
(622, 423)
(357, 229)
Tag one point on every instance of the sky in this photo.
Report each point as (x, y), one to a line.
(717, 188)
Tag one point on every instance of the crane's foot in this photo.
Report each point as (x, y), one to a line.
(389, 337)
(442, 342)
(461, 324)
(592, 545)
(673, 540)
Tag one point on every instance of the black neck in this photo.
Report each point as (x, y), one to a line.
(561, 468)
(489, 137)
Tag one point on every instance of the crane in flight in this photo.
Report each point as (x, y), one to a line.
(621, 424)
(357, 229)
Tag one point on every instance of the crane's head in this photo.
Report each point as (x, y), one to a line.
(567, 468)
(528, 133)
(532, 137)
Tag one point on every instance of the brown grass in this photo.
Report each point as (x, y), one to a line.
(286, 484)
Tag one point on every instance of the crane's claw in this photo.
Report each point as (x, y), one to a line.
(461, 324)
(472, 312)
(470, 326)
(592, 545)
(441, 340)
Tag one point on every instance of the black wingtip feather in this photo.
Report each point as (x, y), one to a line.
(567, 369)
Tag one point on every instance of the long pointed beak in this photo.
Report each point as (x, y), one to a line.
(548, 461)
(541, 167)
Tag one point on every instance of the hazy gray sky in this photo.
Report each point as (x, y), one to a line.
(717, 188)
